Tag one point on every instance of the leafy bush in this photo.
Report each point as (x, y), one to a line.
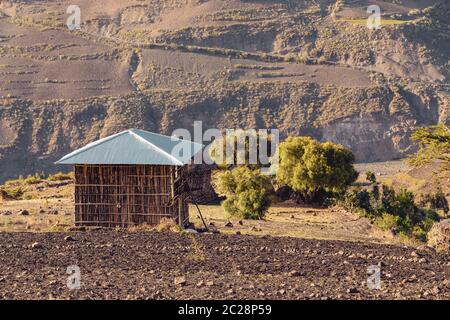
(14, 192)
(309, 167)
(240, 148)
(246, 192)
(419, 233)
(434, 201)
(370, 176)
(32, 180)
(356, 201)
(390, 210)
(387, 222)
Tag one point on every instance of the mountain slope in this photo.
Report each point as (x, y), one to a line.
(304, 67)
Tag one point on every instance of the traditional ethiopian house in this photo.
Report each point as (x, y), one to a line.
(130, 178)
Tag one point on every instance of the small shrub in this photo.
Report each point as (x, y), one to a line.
(370, 177)
(60, 176)
(32, 180)
(419, 233)
(390, 210)
(387, 222)
(30, 196)
(15, 182)
(355, 200)
(246, 192)
(434, 201)
(14, 192)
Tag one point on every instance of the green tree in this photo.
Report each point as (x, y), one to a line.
(246, 192)
(434, 145)
(240, 147)
(310, 167)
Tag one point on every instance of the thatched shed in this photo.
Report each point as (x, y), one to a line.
(131, 178)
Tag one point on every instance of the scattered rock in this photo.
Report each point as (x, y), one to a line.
(6, 213)
(193, 231)
(54, 212)
(37, 245)
(24, 212)
(352, 290)
(240, 222)
(435, 290)
(212, 228)
(228, 224)
(179, 281)
(422, 260)
(294, 273)
(427, 249)
(414, 254)
(69, 238)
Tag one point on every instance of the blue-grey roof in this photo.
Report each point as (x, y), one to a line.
(135, 146)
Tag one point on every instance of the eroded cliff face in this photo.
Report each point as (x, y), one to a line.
(373, 137)
(375, 123)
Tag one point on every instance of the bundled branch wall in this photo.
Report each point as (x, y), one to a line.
(124, 195)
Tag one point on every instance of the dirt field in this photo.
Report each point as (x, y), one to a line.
(177, 266)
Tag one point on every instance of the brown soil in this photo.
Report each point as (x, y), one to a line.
(144, 265)
(51, 64)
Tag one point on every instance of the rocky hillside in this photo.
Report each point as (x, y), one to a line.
(304, 67)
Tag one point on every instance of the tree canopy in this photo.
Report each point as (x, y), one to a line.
(241, 147)
(434, 145)
(308, 166)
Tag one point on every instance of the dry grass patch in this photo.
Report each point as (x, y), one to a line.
(168, 225)
(45, 215)
(291, 220)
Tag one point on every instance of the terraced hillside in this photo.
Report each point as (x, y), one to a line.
(304, 67)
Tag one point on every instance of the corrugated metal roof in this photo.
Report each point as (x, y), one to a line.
(135, 146)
